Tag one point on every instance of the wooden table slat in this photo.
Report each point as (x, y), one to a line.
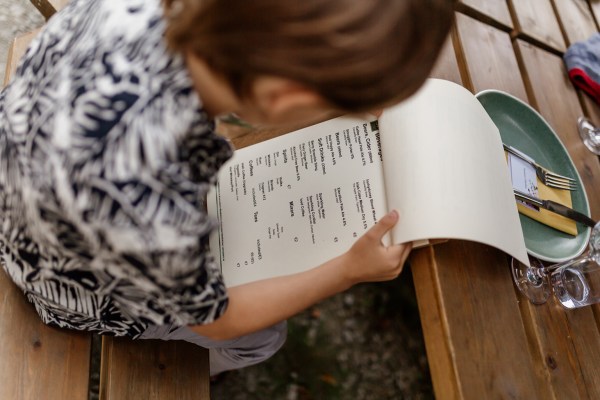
(484, 324)
(435, 327)
(16, 51)
(489, 57)
(48, 7)
(536, 19)
(584, 332)
(496, 10)
(552, 351)
(37, 361)
(153, 370)
(576, 19)
(595, 7)
(589, 106)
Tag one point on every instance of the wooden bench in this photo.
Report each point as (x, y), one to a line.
(40, 362)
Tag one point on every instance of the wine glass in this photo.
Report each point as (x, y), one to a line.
(575, 283)
(590, 134)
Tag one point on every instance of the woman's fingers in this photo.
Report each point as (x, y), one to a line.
(383, 226)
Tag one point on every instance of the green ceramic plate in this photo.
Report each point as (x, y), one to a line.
(523, 128)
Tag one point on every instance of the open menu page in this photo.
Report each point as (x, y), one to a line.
(298, 200)
(446, 172)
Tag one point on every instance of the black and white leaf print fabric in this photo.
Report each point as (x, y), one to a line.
(105, 160)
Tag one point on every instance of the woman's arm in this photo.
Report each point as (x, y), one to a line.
(260, 304)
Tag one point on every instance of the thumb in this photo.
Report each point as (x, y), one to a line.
(386, 223)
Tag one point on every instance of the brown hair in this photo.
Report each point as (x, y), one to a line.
(357, 54)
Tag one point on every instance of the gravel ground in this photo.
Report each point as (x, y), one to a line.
(365, 344)
(16, 17)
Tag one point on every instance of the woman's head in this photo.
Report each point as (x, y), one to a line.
(357, 55)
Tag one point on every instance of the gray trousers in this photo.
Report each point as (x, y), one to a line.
(227, 354)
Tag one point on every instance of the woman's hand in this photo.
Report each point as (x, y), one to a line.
(260, 304)
(369, 260)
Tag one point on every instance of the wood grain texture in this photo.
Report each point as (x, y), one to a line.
(496, 10)
(36, 361)
(576, 19)
(552, 351)
(590, 108)
(536, 19)
(489, 57)
(153, 370)
(490, 349)
(16, 51)
(595, 7)
(567, 347)
(48, 7)
(584, 333)
(440, 350)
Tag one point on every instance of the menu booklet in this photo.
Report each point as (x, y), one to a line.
(293, 202)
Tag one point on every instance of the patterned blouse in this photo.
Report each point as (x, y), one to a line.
(106, 156)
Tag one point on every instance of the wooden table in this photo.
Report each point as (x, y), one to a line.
(483, 338)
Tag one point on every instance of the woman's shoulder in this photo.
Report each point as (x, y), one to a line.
(99, 69)
(101, 92)
(86, 33)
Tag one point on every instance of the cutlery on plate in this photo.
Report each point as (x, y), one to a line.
(547, 177)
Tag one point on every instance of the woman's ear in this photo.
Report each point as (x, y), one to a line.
(276, 97)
